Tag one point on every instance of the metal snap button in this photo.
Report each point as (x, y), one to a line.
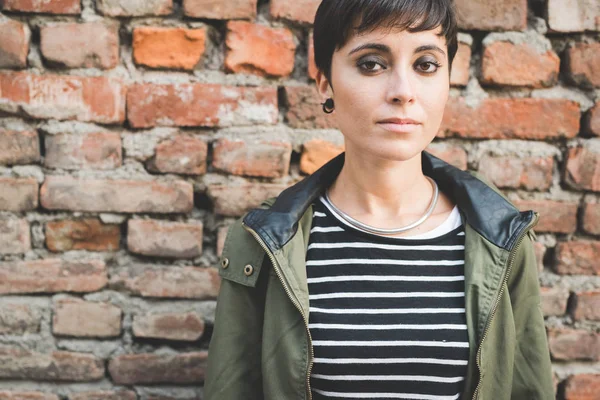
(248, 269)
(225, 263)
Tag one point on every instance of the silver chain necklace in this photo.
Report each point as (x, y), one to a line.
(371, 229)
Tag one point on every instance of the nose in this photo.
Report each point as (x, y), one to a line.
(400, 88)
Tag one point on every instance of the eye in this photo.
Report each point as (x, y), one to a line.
(428, 67)
(370, 65)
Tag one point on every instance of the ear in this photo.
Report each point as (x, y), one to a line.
(323, 87)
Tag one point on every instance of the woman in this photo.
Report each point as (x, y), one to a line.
(388, 273)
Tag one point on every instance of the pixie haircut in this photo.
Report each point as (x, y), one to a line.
(336, 19)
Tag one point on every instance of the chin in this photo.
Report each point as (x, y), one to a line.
(397, 152)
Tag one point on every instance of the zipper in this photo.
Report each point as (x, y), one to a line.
(504, 282)
(289, 294)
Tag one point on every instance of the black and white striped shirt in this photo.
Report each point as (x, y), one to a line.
(387, 315)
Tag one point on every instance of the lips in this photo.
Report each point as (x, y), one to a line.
(399, 121)
(399, 125)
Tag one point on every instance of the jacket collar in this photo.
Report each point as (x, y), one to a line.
(488, 212)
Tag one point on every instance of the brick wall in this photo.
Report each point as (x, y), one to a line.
(132, 132)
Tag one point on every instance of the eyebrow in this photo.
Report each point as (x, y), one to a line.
(386, 49)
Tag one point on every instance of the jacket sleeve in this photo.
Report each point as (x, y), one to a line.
(234, 355)
(532, 372)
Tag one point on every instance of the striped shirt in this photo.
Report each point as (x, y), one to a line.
(387, 315)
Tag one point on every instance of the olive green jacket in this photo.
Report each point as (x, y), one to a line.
(261, 346)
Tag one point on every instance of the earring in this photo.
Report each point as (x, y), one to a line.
(328, 106)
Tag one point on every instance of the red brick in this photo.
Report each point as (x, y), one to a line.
(460, 65)
(316, 153)
(218, 9)
(582, 387)
(99, 150)
(591, 218)
(173, 326)
(554, 301)
(15, 237)
(200, 104)
(295, 10)
(77, 317)
(573, 16)
(587, 306)
(52, 276)
(509, 64)
(130, 369)
(17, 319)
(87, 45)
(592, 120)
(97, 195)
(176, 48)
(14, 395)
(56, 366)
(583, 168)
(47, 7)
(454, 155)
(221, 236)
(530, 173)
(18, 194)
(578, 257)
(121, 394)
(181, 155)
(492, 15)
(234, 201)
(14, 46)
(555, 216)
(304, 109)
(270, 159)
(571, 344)
(259, 49)
(177, 282)
(91, 99)
(19, 147)
(518, 118)
(312, 67)
(134, 8)
(87, 234)
(583, 63)
(164, 238)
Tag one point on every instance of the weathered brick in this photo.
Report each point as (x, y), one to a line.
(530, 173)
(295, 10)
(259, 49)
(555, 216)
(316, 153)
(181, 155)
(234, 201)
(587, 305)
(503, 118)
(121, 394)
(454, 155)
(14, 45)
(270, 159)
(583, 168)
(592, 120)
(572, 344)
(221, 236)
(177, 48)
(200, 104)
(460, 65)
(554, 301)
(87, 45)
(218, 9)
(172, 326)
(57, 366)
(91, 99)
(179, 282)
(583, 63)
(578, 257)
(304, 109)
(505, 63)
(14, 395)
(573, 15)
(97, 195)
(19, 147)
(582, 387)
(134, 8)
(86, 234)
(15, 237)
(77, 317)
(17, 319)
(491, 15)
(130, 369)
(51, 276)
(99, 150)
(46, 7)
(591, 218)
(164, 238)
(312, 67)
(18, 194)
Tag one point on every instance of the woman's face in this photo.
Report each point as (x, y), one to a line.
(382, 78)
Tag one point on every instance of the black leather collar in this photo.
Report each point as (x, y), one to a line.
(485, 210)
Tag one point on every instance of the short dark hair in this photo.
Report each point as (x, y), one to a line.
(335, 20)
